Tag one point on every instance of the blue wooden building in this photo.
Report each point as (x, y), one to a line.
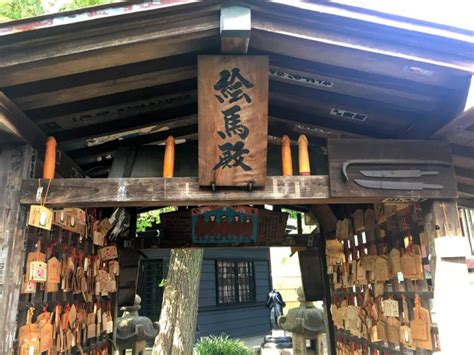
(232, 295)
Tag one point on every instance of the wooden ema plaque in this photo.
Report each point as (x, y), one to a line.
(222, 226)
(232, 120)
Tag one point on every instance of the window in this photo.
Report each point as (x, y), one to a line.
(235, 282)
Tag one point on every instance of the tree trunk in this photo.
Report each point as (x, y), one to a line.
(180, 302)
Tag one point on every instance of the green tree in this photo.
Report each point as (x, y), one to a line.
(19, 9)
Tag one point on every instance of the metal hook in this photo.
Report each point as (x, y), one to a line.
(250, 186)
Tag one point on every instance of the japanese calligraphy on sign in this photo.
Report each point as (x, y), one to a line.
(233, 120)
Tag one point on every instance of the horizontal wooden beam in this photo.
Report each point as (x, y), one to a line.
(144, 192)
(463, 157)
(466, 189)
(113, 86)
(465, 173)
(466, 202)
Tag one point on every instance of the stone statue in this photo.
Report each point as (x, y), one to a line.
(306, 319)
(276, 304)
(133, 330)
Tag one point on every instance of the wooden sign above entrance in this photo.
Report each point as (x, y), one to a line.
(395, 170)
(214, 226)
(233, 120)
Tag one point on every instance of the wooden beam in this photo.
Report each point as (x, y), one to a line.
(297, 114)
(463, 161)
(116, 102)
(112, 145)
(407, 39)
(125, 124)
(31, 134)
(275, 38)
(464, 172)
(7, 128)
(361, 17)
(374, 89)
(466, 189)
(113, 86)
(114, 112)
(310, 129)
(161, 126)
(143, 192)
(456, 128)
(235, 29)
(464, 152)
(334, 107)
(87, 22)
(467, 202)
(109, 57)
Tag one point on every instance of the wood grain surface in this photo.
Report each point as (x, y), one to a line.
(251, 104)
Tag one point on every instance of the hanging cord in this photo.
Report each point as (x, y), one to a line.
(43, 201)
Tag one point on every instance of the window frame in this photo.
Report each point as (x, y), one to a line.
(252, 283)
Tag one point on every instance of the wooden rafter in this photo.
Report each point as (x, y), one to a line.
(31, 134)
(109, 57)
(375, 31)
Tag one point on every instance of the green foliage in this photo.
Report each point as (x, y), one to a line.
(221, 345)
(292, 213)
(149, 219)
(18, 9)
(162, 283)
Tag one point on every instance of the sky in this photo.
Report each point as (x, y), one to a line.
(455, 13)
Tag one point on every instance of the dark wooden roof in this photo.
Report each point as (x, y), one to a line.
(130, 76)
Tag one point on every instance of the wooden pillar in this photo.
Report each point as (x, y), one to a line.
(16, 163)
(327, 224)
(452, 309)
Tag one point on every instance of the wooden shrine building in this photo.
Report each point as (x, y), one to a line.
(378, 110)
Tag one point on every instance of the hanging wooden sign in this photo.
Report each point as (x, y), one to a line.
(395, 261)
(233, 120)
(224, 226)
(393, 330)
(358, 218)
(71, 219)
(38, 271)
(40, 217)
(411, 266)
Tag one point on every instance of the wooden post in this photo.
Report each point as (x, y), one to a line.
(452, 291)
(16, 163)
(299, 344)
